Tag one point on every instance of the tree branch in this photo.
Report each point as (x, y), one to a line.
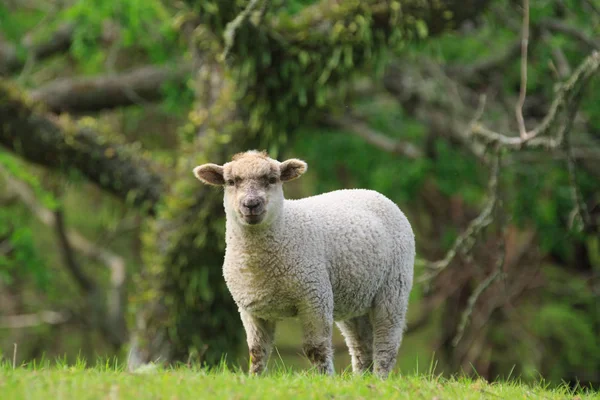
(523, 88)
(558, 26)
(85, 283)
(592, 6)
(565, 98)
(580, 208)
(483, 285)
(57, 42)
(377, 139)
(465, 242)
(430, 96)
(314, 23)
(33, 320)
(140, 85)
(41, 139)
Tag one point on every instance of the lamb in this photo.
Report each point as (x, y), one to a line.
(345, 256)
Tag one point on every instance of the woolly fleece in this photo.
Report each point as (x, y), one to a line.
(344, 256)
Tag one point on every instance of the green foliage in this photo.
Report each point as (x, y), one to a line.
(457, 173)
(362, 166)
(561, 313)
(453, 48)
(294, 6)
(138, 24)
(590, 107)
(562, 326)
(283, 81)
(17, 169)
(21, 259)
(177, 101)
(15, 24)
(544, 200)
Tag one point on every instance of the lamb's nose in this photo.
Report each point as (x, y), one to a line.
(251, 203)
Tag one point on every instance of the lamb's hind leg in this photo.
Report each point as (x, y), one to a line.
(358, 333)
(389, 321)
(260, 335)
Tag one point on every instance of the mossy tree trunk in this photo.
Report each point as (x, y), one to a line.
(27, 130)
(187, 313)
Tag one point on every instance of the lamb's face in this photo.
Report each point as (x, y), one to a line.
(253, 190)
(253, 185)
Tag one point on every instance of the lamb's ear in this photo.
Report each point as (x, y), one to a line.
(211, 174)
(292, 169)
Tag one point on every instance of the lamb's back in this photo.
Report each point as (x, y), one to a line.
(360, 234)
(343, 211)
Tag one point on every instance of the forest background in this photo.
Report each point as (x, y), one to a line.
(479, 118)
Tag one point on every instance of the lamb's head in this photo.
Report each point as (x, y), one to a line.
(253, 185)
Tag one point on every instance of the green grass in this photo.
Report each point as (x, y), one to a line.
(109, 382)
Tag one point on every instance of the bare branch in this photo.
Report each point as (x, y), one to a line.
(85, 283)
(555, 25)
(564, 99)
(430, 96)
(117, 296)
(563, 69)
(57, 42)
(581, 212)
(371, 136)
(523, 89)
(567, 96)
(592, 6)
(465, 242)
(483, 285)
(33, 320)
(144, 84)
(28, 198)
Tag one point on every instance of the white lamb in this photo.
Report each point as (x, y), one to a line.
(344, 256)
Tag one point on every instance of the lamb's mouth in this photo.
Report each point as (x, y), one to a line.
(253, 219)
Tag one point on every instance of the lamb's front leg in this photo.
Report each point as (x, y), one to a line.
(317, 324)
(260, 334)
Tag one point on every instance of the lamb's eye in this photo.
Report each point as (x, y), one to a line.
(230, 182)
(272, 180)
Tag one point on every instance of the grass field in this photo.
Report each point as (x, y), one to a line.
(112, 383)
